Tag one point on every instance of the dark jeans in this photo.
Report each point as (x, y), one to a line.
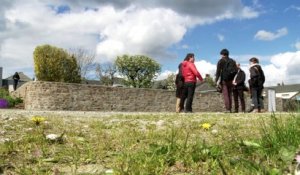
(239, 94)
(256, 96)
(188, 95)
(227, 94)
(15, 84)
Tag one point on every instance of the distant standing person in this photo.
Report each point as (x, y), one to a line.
(179, 82)
(190, 75)
(238, 89)
(256, 82)
(226, 70)
(16, 79)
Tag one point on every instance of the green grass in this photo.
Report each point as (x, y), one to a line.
(159, 143)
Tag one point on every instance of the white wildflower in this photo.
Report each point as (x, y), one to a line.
(52, 137)
(214, 132)
(109, 171)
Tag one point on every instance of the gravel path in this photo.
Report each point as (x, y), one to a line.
(4, 113)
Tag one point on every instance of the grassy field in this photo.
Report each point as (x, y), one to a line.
(147, 143)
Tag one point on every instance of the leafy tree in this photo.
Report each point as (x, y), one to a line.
(210, 80)
(85, 60)
(168, 83)
(138, 70)
(106, 73)
(55, 64)
(71, 71)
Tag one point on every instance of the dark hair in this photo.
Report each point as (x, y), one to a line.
(188, 56)
(179, 66)
(224, 52)
(254, 60)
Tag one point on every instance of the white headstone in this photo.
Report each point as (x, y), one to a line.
(10, 88)
(271, 100)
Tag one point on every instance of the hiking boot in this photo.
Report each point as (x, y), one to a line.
(250, 110)
(188, 111)
(263, 110)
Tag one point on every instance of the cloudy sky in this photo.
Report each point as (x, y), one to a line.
(165, 30)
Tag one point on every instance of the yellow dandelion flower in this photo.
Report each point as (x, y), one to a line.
(206, 125)
(37, 119)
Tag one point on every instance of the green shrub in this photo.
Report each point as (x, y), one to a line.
(4, 94)
(55, 64)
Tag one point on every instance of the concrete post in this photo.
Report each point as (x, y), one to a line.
(271, 100)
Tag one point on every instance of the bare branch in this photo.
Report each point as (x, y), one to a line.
(85, 60)
(106, 73)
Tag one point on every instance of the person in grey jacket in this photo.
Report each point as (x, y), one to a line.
(256, 82)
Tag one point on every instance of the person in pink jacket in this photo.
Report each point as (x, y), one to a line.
(190, 75)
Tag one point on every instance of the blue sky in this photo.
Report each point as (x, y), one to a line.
(165, 30)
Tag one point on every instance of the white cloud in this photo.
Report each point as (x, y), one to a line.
(293, 7)
(205, 67)
(246, 58)
(165, 74)
(203, 8)
(247, 12)
(289, 62)
(297, 8)
(221, 37)
(141, 32)
(109, 28)
(269, 36)
(282, 59)
(297, 45)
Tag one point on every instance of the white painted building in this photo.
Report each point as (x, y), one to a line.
(287, 91)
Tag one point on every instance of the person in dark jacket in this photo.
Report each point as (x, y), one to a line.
(256, 82)
(179, 82)
(224, 80)
(238, 89)
(16, 79)
(190, 75)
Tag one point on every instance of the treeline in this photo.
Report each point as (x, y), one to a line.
(59, 65)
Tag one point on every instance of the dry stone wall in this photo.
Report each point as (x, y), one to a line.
(83, 97)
